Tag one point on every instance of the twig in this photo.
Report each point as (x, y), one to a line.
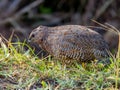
(3, 38)
(24, 10)
(114, 30)
(90, 7)
(102, 9)
(28, 8)
(112, 27)
(11, 36)
(107, 28)
(3, 3)
(18, 27)
(13, 7)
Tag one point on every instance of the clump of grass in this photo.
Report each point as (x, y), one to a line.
(22, 69)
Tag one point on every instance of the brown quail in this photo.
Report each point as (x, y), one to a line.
(70, 43)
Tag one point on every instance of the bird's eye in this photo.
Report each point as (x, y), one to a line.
(33, 35)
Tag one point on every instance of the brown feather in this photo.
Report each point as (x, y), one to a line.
(71, 43)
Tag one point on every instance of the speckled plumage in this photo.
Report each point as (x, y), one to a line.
(70, 43)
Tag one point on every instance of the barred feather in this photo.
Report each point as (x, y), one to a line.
(71, 43)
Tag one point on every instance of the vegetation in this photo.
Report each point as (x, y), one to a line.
(22, 69)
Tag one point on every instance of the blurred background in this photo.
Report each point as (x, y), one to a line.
(22, 16)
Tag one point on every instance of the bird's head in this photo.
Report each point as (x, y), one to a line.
(38, 34)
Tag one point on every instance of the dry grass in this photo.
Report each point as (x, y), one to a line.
(23, 70)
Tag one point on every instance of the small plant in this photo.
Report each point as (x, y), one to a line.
(22, 69)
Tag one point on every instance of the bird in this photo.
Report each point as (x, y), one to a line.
(71, 43)
(109, 36)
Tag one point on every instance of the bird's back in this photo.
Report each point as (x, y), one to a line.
(76, 42)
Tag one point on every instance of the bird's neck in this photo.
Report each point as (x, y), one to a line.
(45, 45)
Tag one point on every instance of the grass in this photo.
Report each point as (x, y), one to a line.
(22, 69)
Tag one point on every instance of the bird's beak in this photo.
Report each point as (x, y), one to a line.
(29, 39)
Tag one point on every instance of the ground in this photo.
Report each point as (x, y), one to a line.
(22, 69)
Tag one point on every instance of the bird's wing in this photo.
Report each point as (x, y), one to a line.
(79, 43)
(75, 45)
